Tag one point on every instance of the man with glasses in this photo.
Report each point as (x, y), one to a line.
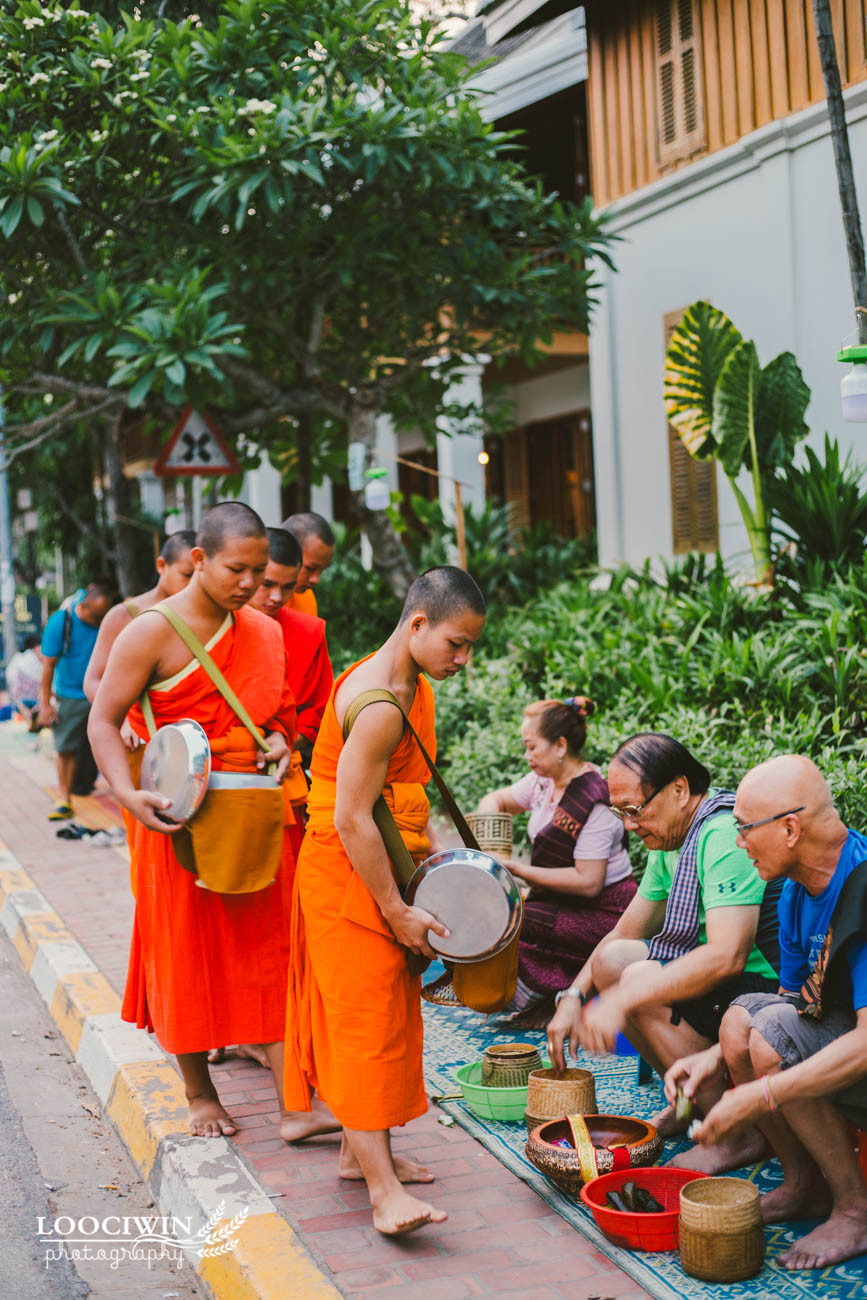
(798, 1058)
(701, 930)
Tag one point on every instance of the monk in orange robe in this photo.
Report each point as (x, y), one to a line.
(316, 539)
(204, 967)
(174, 571)
(354, 1028)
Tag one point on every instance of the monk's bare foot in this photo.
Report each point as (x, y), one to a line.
(841, 1237)
(208, 1118)
(216, 1055)
(399, 1212)
(744, 1149)
(408, 1171)
(252, 1052)
(298, 1125)
(807, 1198)
(667, 1126)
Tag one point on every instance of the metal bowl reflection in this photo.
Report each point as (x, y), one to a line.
(474, 896)
(177, 764)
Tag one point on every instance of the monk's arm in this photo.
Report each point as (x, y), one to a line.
(361, 773)
(109, 629)
(128, 670)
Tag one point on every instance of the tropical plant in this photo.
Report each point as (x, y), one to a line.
(726, 406)
(822, 506)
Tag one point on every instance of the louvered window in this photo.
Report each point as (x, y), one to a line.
(680, 122)
(694, 520)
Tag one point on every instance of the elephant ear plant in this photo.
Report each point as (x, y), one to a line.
(726, 406)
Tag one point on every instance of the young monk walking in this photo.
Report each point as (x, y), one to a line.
(205, 967)
(354, 1021)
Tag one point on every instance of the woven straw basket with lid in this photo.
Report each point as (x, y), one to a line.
(721, 1234)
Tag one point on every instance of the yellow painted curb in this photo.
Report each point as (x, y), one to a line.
(268, 1263)
(147, 1104)
(79, 996)
(13, 881)
(43, 927)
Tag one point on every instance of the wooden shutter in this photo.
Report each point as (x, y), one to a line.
(694, 519)
(680, 112)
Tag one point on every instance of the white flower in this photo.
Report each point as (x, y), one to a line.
(13, 298)
(47, 135)
(77, 13)
(172, 117)
(139, 76)
(36, 78)
(251, 212)
(140, 54)
(203, 108)
(258, 106)
(30, 23)
(251, 130)
(48, 398)
(100, 63)
(224, 230)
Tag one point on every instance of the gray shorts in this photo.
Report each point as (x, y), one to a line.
(794, 1038)
(71, 725)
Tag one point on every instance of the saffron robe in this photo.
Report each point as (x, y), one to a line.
(305, 602)
(208, 968)
(310, 677)
(354, 1026)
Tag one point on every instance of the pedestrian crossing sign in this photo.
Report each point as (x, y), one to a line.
(196, 446)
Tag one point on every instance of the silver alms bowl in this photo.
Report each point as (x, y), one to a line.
(474, 896)
(177, 764)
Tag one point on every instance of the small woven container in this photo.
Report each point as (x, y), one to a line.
(551, 1095)
(721, 1234)
(509, 1065)
(493, 831)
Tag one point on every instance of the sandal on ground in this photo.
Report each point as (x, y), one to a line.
(61, 812)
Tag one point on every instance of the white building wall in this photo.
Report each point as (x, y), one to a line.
(756, 229)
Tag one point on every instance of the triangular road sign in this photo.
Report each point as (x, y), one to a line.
(196, 447)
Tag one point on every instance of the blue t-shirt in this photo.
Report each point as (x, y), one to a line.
(804, 920)
(71, 666)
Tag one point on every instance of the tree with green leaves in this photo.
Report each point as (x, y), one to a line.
(727, 407)
(289, 212)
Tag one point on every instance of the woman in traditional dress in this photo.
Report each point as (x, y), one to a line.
(579, 873)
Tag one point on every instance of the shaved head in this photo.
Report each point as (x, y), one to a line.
(788, 823)
(309, 524)
(228, 519)
(785, 782)
(285, 547)
(176, 544)
(441, 593)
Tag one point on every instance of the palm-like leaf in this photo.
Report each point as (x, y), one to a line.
(735, 400)
(782, 405)
(696, 355)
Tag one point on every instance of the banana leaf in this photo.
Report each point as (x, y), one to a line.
(698, 350)
(782, 404)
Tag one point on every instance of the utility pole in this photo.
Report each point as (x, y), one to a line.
(843, 162)
(7, 565)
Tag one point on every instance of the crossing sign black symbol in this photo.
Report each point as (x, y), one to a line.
(197, 446)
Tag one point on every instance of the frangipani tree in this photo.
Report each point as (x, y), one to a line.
(726, 406)
(276, 209)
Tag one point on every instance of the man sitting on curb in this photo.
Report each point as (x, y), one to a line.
(804, 1053)
(700, 931)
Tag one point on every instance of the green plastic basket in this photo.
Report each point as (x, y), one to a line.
(506, 1104)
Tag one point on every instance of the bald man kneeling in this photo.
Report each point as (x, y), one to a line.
(798, 1058)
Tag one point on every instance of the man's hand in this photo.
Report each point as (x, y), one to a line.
(130, 738)
(410, 925)
(279, 753)
(145, 805)
(47, 713)
(735, 1110)
(564, 1027)
(692, 1072)
(602, 1021)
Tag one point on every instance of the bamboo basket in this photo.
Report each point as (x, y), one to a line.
(549, 1095)
(721, 1234)
(509, 1065)
(493, 831)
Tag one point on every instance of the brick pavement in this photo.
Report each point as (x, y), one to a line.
(500, 1238)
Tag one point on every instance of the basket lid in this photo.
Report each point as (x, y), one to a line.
(514, 1053)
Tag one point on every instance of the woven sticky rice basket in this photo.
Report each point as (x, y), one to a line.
(551, 1095)
(493, 831)
(509, 1065)
(721, 1234)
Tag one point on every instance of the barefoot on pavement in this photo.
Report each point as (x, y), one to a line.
(209, 1119)
(297, 1126)
(408, 1171)
(398, 1212)
(252, 1052)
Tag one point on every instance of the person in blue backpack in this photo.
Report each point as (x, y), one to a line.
(67, 644)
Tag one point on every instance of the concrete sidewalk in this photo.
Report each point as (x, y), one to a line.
(308, 1233)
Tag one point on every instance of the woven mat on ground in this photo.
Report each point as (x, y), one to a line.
(455, 1036)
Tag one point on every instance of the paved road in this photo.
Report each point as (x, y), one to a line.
(60, 1157)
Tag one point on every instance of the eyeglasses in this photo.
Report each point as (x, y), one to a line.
(743, 827)
(632, 812)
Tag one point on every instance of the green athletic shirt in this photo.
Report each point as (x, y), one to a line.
(726, 878)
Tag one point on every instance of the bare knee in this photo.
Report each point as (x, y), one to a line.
(734, 1035)
(762, 1055)
(609, 964)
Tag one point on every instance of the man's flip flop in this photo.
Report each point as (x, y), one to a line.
(61, 812)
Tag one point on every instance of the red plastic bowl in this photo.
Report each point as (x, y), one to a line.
(639, 1231)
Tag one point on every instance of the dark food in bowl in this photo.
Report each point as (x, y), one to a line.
(633, 1200)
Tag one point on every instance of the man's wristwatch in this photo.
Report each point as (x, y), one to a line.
(570, 993)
